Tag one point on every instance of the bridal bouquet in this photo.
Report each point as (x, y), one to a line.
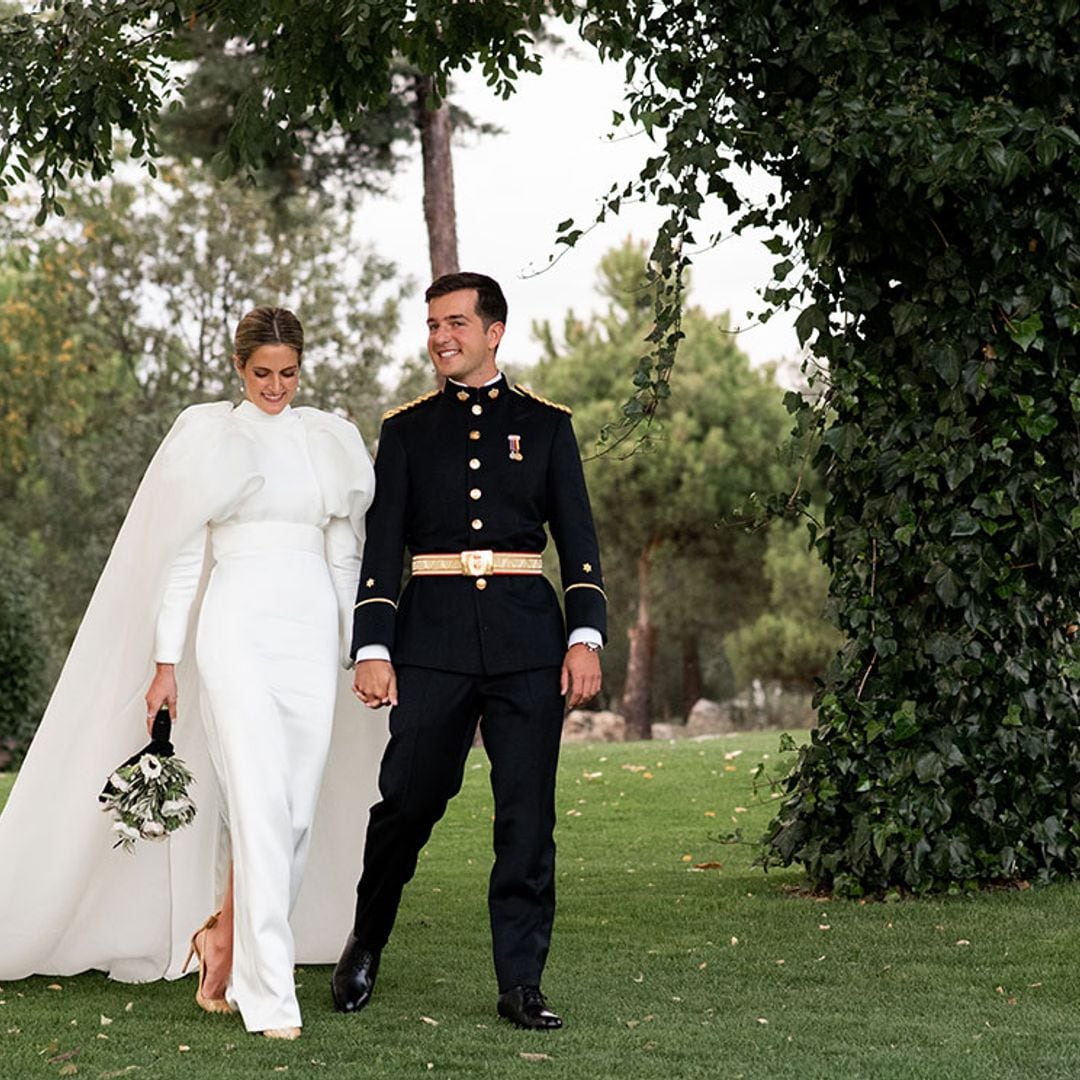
(148, 795)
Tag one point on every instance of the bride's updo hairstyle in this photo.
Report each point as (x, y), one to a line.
(268, 326)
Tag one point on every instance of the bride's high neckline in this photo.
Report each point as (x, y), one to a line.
(250, 411)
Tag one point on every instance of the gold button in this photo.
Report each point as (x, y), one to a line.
(463, 395)
(476, 523)
(493, 393)
(475, 493)
(474, 463)
(481, 583)
(477, 410)
(474, 435)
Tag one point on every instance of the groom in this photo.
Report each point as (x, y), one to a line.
(466, 479)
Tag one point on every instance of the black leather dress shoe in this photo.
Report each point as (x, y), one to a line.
(354, 977)
(525, 1007)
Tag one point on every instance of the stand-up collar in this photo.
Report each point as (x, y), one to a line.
(463, 395)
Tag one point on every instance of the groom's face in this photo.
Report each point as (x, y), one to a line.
(460, 346)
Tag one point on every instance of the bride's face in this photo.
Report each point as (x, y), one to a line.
(270, 376)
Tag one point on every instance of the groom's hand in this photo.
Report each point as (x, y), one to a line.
(375, 683)
(580, 678)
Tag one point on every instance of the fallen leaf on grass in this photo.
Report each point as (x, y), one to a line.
(118, 1072)
(688, 858)
(635, 768)
(54, 986)
(525, 1056)
(128, 1008)
(710, 813)
(963, 941)
(731, 755)
(646, 776)
(428, 1020)
(708, 866)
(183, 1048)
(70, 1069)
(740, 809)
(731, 768)
(592, 775)
(762, 1020)
(734, 941)
(105, 1020)
(67, 1055)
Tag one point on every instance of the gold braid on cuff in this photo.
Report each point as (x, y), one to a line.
(585, 585)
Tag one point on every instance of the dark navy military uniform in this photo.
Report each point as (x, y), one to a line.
(466, 469)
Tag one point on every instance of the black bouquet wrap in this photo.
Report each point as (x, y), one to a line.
(159, 745)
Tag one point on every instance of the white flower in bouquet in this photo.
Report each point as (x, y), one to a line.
(128, 835)
(150, 766)
(118, 782)
(152, 830)
(176, 807)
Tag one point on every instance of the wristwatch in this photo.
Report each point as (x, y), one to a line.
(590, 645)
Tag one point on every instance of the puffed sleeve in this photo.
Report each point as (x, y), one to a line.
(346, 479)
(571, 522)
(384, 552)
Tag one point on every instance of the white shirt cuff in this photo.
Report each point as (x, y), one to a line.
(372, 652)
(585, 635)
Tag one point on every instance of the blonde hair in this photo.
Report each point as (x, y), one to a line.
(267, 326)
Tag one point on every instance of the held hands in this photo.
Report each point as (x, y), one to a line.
(162, 692)
(375, 683)
(581, 678)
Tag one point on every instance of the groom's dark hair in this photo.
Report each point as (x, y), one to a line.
(490, 302)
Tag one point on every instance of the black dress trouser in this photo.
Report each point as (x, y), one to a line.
(431, 731)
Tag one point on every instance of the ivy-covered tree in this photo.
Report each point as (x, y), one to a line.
(927, 156)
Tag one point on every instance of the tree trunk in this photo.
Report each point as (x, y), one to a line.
(439, 213)
(637, 690)
(691, 673)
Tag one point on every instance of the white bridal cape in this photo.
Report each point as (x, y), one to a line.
(69, 900)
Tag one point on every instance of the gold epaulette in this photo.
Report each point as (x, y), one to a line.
(526, 392)
(410, 404)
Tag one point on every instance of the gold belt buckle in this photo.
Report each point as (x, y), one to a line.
(477, 563)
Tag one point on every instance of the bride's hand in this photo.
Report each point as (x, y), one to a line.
(162, 692)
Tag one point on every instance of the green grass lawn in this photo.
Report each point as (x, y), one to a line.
(661, 970)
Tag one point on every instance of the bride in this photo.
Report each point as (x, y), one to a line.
(229, 589)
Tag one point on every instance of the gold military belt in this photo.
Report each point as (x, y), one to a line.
(478, 563)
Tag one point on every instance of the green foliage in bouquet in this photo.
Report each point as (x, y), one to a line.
(149, 799)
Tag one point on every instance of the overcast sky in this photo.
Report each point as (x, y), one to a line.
(553, 162)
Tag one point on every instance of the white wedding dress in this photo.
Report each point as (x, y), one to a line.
(237, 560)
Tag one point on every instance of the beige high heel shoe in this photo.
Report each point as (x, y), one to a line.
(289, 1033)
(198, 948)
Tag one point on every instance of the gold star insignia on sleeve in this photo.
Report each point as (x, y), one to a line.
(587, 567)
(370, 583)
